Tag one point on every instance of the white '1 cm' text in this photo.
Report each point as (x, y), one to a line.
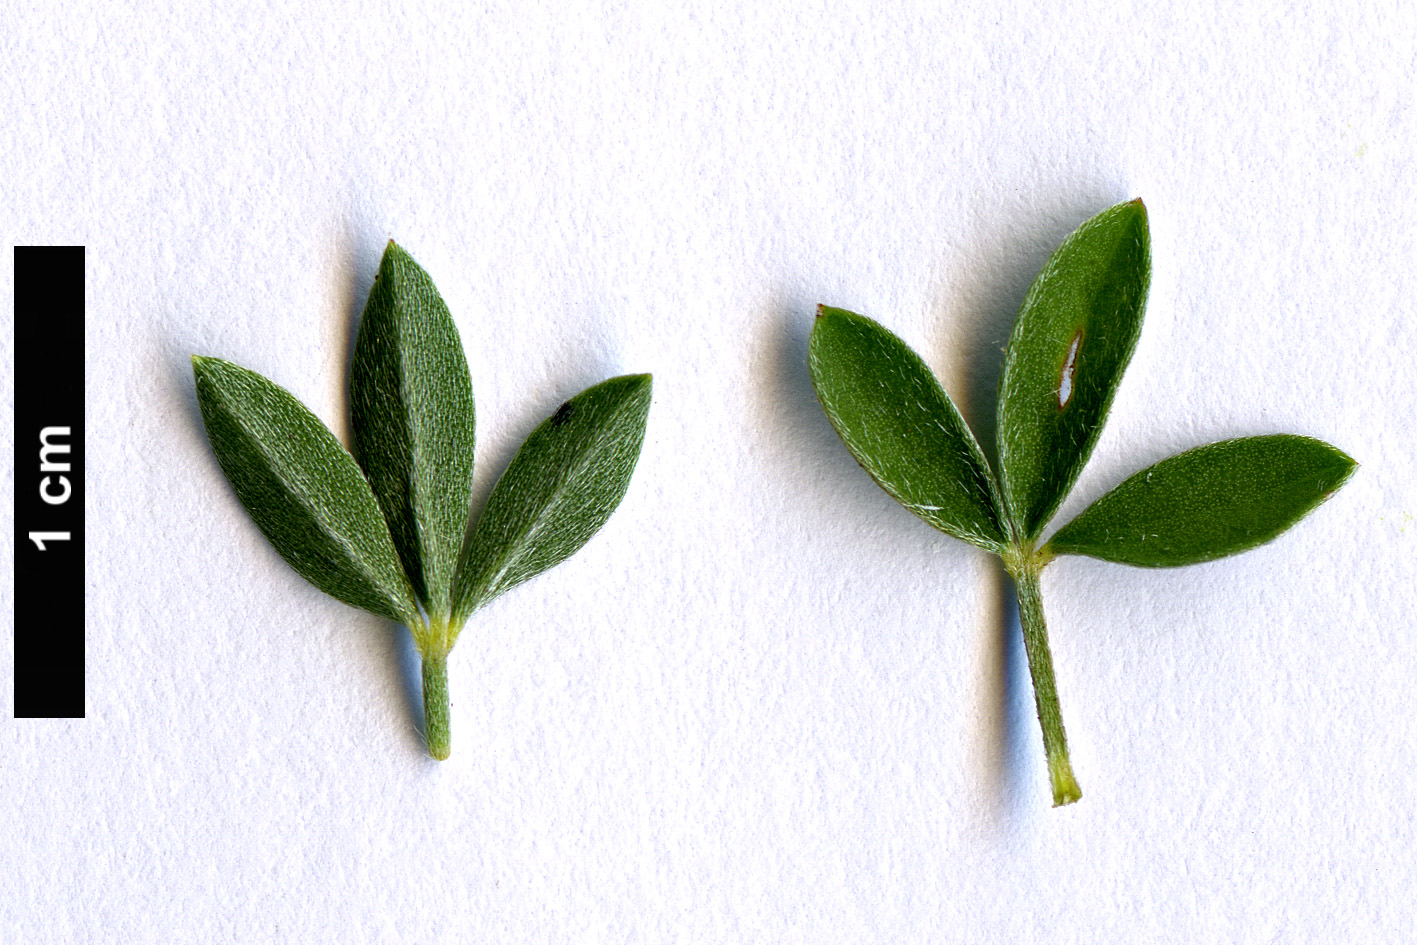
(55, 490)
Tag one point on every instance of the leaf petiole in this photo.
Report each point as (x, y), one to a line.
(435, 706)
(1025, 564)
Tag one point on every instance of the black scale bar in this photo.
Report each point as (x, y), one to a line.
(49, 482)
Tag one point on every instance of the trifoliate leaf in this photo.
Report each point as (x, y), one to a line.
(1209, 502)
(412, 407)
(303, 489)
(562, 485)
(902, 427)
(1070, 345)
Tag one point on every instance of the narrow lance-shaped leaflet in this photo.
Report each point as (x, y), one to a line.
(901, 426)
(302, 488)
(413, 420)
(1070, 345)
(560, 488)
(1209, 502)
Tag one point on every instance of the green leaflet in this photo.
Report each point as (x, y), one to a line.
(303, 489)
(902, 427)
(412, 407)
(1208, 502)
(561, 487)
(1070, 345)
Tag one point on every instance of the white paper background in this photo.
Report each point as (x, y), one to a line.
(765, 704)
